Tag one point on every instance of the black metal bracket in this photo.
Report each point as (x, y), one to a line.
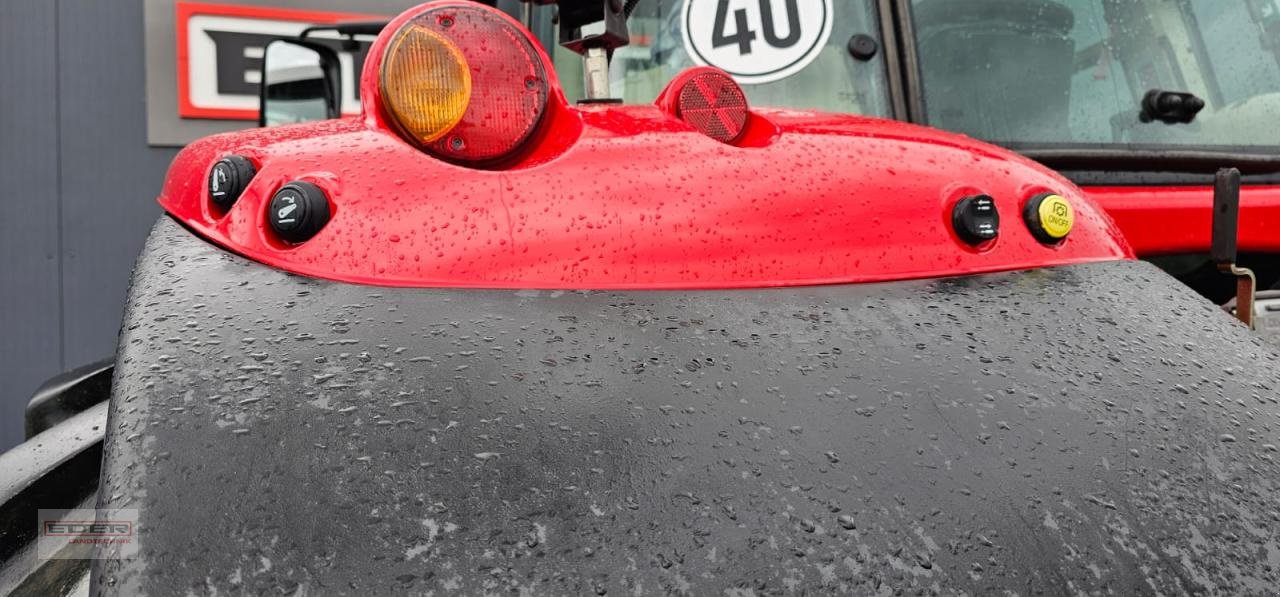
(1223, 247)
(575, 15)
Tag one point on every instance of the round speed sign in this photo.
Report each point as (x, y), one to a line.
(756, 41)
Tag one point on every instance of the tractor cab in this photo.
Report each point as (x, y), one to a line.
(1146, 75)
(1140, 103)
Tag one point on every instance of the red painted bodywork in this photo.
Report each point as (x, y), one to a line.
(1168, 220)
(640, 200)
(611, 196)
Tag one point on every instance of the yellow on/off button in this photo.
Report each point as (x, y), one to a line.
(1050, 217)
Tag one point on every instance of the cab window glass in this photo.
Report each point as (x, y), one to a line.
(1053, 72)
(833, 81)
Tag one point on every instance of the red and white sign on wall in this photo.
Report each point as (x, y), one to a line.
(220, 49)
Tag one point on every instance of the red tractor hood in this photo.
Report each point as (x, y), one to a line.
(631, 197)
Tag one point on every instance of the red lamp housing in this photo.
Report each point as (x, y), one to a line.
(463, 82)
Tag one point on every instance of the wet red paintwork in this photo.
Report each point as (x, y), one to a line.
(639, 200)
(613, 196)
(1167, 220)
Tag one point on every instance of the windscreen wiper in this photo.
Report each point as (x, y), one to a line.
(1150, 160)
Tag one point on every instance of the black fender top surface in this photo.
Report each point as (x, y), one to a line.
(1084, 429)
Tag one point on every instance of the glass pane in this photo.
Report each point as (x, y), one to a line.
(833, 81)
(295, 84)
(1075, 71)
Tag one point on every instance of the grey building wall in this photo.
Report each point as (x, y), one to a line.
(77, 186)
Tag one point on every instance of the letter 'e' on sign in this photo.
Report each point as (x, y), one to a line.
(756, 41)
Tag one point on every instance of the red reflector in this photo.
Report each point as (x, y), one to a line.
(714, 104)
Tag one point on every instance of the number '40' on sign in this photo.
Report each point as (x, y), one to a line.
(756, 41)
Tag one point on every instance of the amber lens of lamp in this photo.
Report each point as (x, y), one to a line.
(426, 83)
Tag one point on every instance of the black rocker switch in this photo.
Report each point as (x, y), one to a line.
(298, 211)
(228, 179)
(976, 219)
